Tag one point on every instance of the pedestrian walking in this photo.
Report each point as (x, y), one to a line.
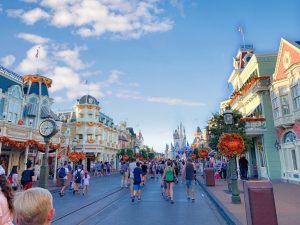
(6, 200)
(26, 177)
(144, 172)
(189, 175)
(34, 206)
(78, 175)
(137, 180)
(14, 178)
(132, 166)
(124, 174)
(243, 163)
(224, 169)
(169, 175)
(63, 177)
(86, 182)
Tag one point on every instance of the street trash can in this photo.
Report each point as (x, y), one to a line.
(209, 176)
(260, 203)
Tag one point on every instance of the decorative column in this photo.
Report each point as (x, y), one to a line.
(55, 165)
(26, 156)
(44, 178)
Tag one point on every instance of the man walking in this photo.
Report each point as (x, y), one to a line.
(243, 163)
(132, 166)
(189, 174)
(63, 176)
(124, 174)
(137, 180)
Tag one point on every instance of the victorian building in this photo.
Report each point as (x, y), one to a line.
(87, 130)
(250, 79)
(24, 104)
(285, 96)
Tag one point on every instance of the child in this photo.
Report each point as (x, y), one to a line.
(86, 182)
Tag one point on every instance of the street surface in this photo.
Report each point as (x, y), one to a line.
(108, 204)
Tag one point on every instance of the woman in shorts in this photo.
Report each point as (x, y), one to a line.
(169, 177)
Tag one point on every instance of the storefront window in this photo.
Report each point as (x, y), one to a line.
(275, 104)
(289, 137)
(295, 93)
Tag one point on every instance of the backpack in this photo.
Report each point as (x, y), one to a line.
(78, 176)
(62, 172)
(169, 174)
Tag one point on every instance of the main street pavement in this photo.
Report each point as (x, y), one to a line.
(107, 204)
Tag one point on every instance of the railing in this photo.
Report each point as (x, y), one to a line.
(254, 125)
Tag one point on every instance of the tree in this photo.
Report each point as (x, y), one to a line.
(217, 127)
(151, 155)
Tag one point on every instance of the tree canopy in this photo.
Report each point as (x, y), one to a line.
(217, 126)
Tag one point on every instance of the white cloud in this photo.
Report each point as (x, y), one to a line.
(114, 77)
(8, 60)
(29, 17)
(118, 18)
(71, 57)
(174, 101)
(179, 4)
(35, 39)
(126, 94)
(31, 64)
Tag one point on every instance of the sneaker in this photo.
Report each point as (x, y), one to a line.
(132, 199)
(193, 200)
(172, 201)
(188, 198)
(139, 199)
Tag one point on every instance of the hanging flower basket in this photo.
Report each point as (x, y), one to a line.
(125, 157)
(202, 153)
(20, 122)
(231, 144)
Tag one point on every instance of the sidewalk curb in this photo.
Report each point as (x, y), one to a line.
(227, 216)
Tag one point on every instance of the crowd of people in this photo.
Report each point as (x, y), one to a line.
(32, 206)
(134, 174)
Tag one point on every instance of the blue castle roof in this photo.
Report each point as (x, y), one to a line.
(9, 78)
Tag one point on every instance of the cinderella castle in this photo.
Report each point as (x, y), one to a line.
(179, 144)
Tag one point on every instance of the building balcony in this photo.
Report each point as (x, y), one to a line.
(261, 85)
(254, 126)
(284, 121)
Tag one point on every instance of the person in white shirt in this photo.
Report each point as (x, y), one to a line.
(86, 182)
(132, 166)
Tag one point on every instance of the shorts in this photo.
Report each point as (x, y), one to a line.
(131, 181)
(169, 181)
(136, 187)
(190, 183)
(62, 181)
(144, 173)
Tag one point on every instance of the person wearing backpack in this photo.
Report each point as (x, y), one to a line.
(26, 177)
(169, 176)
(78, 174)
(63, 176)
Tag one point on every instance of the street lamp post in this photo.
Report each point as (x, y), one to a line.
(233, 187)
(47, 129)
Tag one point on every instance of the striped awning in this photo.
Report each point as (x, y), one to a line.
(31, 109)
(45, 112)
(54, 116)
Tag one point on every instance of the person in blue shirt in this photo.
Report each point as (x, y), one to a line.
(137, 180)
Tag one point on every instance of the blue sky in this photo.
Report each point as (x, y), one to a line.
(153, 63)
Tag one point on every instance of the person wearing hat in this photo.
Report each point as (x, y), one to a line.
(6, 200)
(189, 174)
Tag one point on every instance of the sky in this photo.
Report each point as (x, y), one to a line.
(152, 63)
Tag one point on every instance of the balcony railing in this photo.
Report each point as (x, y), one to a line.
(254, 126)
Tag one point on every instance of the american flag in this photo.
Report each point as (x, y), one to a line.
(241, 29)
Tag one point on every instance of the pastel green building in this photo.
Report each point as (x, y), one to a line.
(251, 82)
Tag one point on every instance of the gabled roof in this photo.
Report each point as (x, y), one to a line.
(290, 45)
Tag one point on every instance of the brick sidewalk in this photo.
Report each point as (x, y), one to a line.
(286, 199)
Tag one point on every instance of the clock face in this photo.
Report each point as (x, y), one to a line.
(90, 100)
(47, 128)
